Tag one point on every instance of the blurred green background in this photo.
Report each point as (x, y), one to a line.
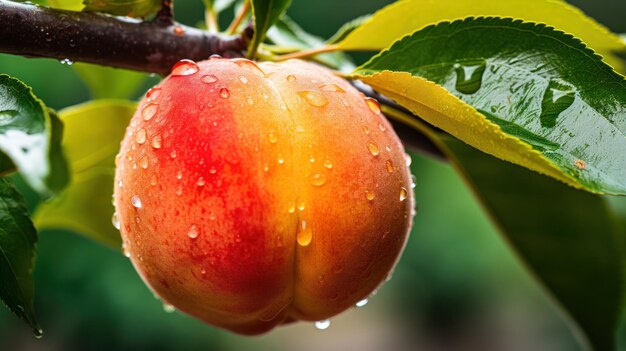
(457, 286)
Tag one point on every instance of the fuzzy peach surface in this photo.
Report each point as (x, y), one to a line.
(254, 195)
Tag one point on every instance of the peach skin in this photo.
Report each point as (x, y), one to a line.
(250, 195)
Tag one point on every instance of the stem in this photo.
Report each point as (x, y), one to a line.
(240, 16)
(154, 46)
(308, 53)
(210, 17)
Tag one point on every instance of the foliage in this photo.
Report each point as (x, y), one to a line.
(536, 83)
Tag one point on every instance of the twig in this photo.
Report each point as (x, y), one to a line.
(34, 31)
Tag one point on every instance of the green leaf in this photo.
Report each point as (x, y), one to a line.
(567, 237)
(93, 134)
(72, 5)
(288, 34)
(265, 13)
(348, 28)
(130, 8)
(30, 136)
(18, 239)
(530, 94)
(407, 16)
(110, 83)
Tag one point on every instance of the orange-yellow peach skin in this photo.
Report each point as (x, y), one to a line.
(251, 195)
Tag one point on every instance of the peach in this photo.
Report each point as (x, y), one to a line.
(252, 195)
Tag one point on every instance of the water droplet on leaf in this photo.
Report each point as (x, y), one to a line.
(469, 75)
(556, 99)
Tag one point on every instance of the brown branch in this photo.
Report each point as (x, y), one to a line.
(154, 46)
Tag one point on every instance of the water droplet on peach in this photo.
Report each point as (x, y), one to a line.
(149, 111)
(317, 179)
(305, 234)
(115, 221)
(250, 66)
(313, 98)
(389, 165)
(200, 181)
(144, 162)
(373, 105)
(362, 303)
(224, 93)
(140, 138)
(403, 194)
(193, 232)
(291, 207)
(135, 201)
(366, 130)
(328, 164)
(243, 79)
(272, 137)
(209, 78)
(369, 195)
(156, 141)
(373, 148)
(322, 325)
(291, 78)
(212, 170)
(185, 68)
(332, 87)
(153, 94)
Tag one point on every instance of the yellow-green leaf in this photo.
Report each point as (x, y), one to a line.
(92, 135)
(405, 17)
(72, 5)
(437, 106)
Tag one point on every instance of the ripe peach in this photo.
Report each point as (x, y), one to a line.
(254, 195)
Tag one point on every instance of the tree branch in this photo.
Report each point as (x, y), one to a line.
(155, 46)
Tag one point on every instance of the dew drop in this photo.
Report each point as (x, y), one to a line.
(313, 98)
(153, 180)
(201, 182)
(144, 162)
(192, 233)
(250, 100)
(369, 195)
(179, 175)
(317, 179)
(300, 204)
(403, 194)
(149, 111)
(156, 141)
(38, 333)
(469, 75)
(408, 160)
(208, 79)
(332, 87)
(556, 99)
(366, 130)
(291, 207)
(322, 325)
(373, 104)
(243, 79)
(382, 127)
(120, 183)
(140, 138)
(153, 94)
(266, 167)
(213, 170)
(168, 308)
(291, 78)
(224, 93)
(250, 66)
(66, 61)
(328, 164)
(362, 303)
(305, 234)
(185, 68)
(281, 160)
(312, 159)
(215, 57)
(115, 221)
(413, 181)
(389, 165)
(373, 148)
(136, 201)
(272, 137)
(173, 154)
